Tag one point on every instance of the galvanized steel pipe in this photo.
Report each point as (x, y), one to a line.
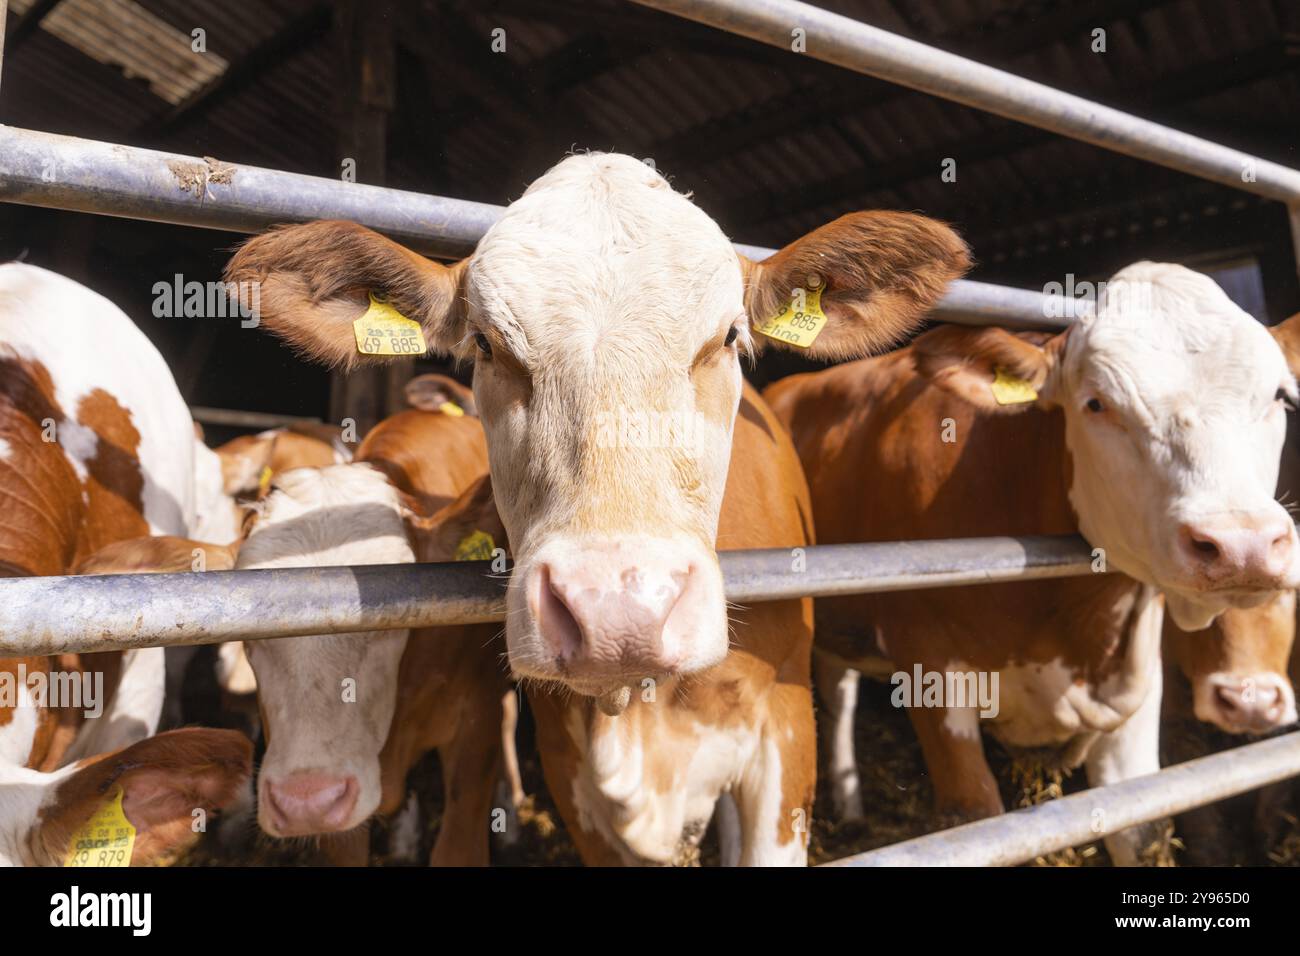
(53, 615)
(866, 49)
(1084, 817)
(64, 172)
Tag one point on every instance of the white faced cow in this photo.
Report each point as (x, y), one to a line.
(1154, 428)
(602, 295)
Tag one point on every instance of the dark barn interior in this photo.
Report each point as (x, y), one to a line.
(770, 143)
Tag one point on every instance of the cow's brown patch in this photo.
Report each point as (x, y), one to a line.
(114, 484)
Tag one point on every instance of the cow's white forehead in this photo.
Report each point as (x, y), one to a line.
(602, 245)
(1173, 334)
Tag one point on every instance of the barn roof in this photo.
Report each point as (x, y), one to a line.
(771, 143)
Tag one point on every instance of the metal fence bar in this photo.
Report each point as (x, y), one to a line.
(64, 172)
(69, 614)
(1070, 821)
(866, 49)
(238, 418)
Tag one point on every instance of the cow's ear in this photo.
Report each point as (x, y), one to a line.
(468, 525)
(169, 782)
(876, 273)
(990, 368)
(1287, 335)
(310, 283)
(433, 392)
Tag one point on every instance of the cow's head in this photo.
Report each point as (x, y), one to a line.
(327, 700)
(606, 315)
(1175, 410)
(1238, 666)
(163, 781)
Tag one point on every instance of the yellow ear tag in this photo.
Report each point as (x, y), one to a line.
(476, 547)
(794, 325)
(264, 480)
(107, 838)
(1008, 389)
(385, 331)
(452, 409)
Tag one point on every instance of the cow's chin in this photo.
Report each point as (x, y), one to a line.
(1195, 611)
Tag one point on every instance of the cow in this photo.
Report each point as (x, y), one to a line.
(96, 446)
(1236, 678)
(440, 393)
(250, 461)
(1153, 428)
(346, 716)
(1229, 681)
(449, 689)
(164, 781)
(607, 317)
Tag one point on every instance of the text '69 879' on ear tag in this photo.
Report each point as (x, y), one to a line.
(801, 320)
(385, 331)
(106, 839)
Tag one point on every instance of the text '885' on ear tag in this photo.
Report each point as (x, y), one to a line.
(106, 839)
(1010, 389)
(800, 322)
(385, 331)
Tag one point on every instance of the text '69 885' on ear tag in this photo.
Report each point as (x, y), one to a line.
(385, 331)
(802, 319)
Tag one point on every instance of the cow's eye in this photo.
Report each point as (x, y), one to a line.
(1287, 401)
(731, 335)
(1094, 405)
(483, 344)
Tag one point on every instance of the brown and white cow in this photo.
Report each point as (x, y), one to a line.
(164, 779)
(250, 461)
(96, 445)
(1153, 428)
(604, 311)
(346, 716)
(440, 393)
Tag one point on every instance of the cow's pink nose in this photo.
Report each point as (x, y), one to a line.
(1248, 553)
(1254, 704)
(304, 803)
(603, 616)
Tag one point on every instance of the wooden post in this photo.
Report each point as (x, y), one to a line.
(367, 94)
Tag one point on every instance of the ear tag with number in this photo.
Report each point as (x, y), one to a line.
(477, 546)
(385, 331)
(106, 839)
(264, 480)
(1009, 389)
(452, 409)
(796, 325)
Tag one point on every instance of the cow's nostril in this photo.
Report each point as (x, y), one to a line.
(555, 618)
(1228, 699)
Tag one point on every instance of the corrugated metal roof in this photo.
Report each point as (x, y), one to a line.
(123, 34)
